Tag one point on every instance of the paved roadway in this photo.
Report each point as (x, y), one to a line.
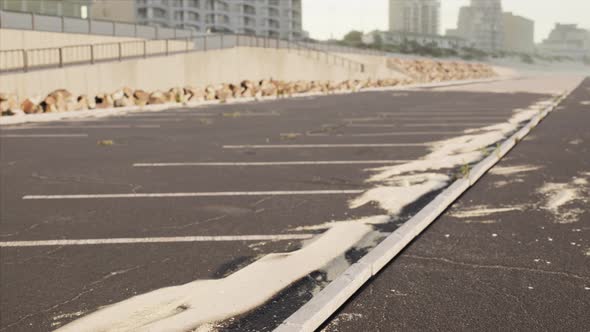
(500, 258)
(44, 287)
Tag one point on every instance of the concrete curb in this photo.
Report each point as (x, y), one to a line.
(315, 312)
(118, 111)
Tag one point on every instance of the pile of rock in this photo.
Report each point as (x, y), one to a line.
(438, 71)
(62, 100)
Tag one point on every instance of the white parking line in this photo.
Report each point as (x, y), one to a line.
(85, 242)
(313, 146)
(200, 194)
(407, 133)
(456, 124)
(447, 118)
(83, 127)
(44, 135)
(159, 115)
(442, 114)
(277, 163)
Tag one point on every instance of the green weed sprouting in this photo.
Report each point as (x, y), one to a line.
(465, 170)
(106, 142)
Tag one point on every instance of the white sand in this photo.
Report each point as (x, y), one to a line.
(186, 307)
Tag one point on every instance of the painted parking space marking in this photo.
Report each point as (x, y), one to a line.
(397, 133)
(276, 163)
(85, 127)
(188, 115)
(223, 238)
(456, 124)
(43, 135)
(318, 146)
(196, 194)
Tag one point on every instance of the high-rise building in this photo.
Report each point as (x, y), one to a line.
(69, 8)
(567, 40)
(482, 23)
(519, 34)
(415, 16)
(271, 18)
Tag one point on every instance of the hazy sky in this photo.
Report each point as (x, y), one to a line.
(333, 18)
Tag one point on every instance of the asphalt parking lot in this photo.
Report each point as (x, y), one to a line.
(198, 193)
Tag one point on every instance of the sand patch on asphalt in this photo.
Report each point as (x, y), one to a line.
(340, 318)
(513, 174)
(504, 183)
(559, 198)
(393, 197)
(512, 170)
(484, 211)
(372, 220)
(186, 307)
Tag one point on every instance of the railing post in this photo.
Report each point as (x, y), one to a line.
(32, 21)
(167, 50)
(25, 61)
(61, 57)
(221, 42)
(187, 42)
(92, 54)
(144, 48)
(63, 25)
(205, 43)
(120, 53)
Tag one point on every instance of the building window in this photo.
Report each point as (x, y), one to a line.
(159, 13)
(84, 12)
(142, 12)
(193, 16)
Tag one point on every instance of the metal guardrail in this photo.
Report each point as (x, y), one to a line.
(334, 48)
(43, 58)
(38, 22)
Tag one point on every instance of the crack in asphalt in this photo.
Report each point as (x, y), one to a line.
(501, 267)
(74, 298)
(520, 304)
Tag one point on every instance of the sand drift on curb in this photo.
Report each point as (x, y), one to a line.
(403, 184)
(185, 307)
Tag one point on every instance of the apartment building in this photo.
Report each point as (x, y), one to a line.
(415, 16)
(519, 33)
(69, 8)
(482, 23)
(270, 18)
(567, 40)
(397, 38)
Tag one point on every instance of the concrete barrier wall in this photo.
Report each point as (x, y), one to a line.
(375, 64)
(196, 68)
(26, 39)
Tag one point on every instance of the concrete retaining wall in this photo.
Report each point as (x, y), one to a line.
(373, 63)
(196, 68)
